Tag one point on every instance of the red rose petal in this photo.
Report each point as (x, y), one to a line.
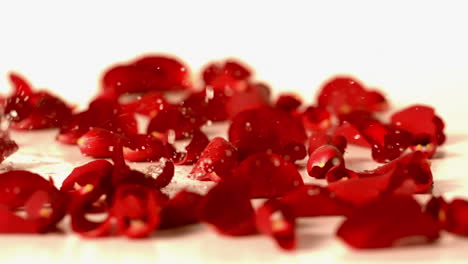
(228, 209)
(312, 200)
(149, 104)
(319, 139)
(226, 75)
(181, 210)
(351, 134)
(194, 149)
(150, 73)
(264, 130)
(388, 222)
(454, 217)
(343, 95)
(11, 223)
(102, 113)
(269, 175)
(136, 209)
(322, 160)
(47, 209)
(427, 128)
(216, 161)
(253, 96)
(165, 172)
(294, 151)
(172, 120)
(143, 148)
(316, 119)
(97, 143)
(7, 147)
(17, 186)
(277, 220)
(288, 102)
(206, 105)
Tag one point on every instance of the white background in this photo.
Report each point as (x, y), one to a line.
(415, 51)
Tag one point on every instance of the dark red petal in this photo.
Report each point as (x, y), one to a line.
(455, 217)
(436, 207)
(164, 170)
(11, 223)
(17, 186)
(288, 102)
(226, 75)
(98, 143)
(423, 143)
(316, 119)
(322, 160)
(277, 219)
(143, 148)
(172, 121)
(45, 111)
(194, 149)
(294, 151)
(79, 223)
(181, 210)
(20, 85)
(228, 209)
(150, 73)
(337, 173)
(216, 161)
(376, 101)
(312, 200)
(206, 105)
(264, 130)
(390, 221)
(269, 175)
(7, 147)
(136, 209)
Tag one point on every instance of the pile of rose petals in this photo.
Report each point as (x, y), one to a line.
(268, 143)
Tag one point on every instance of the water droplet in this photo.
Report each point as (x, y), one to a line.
(248, 126)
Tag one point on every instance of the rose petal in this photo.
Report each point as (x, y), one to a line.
(322, 160)
(277, 220)
(288, 102)
(136, 209)
(269, 175)
(194, 149)
(228, 209)
(226, 75)
(264, 130)
(316, 119)
(312, 200)
(181, 210)
(253, 96)
(388, 222)
(16, 186)
(98, 143)
(217, 161)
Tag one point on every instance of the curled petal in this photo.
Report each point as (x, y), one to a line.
(217, 161)
(322, 160)
(277, 220)
(194, 149)
(97, 143)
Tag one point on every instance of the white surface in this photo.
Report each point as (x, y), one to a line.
(415, 51)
